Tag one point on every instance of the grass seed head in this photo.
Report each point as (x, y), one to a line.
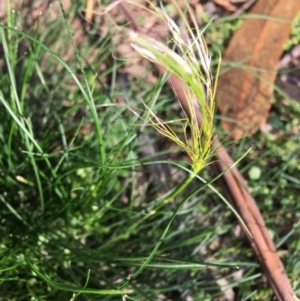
(192, 64)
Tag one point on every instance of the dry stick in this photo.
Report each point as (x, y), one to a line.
(261, 241)
(89, 10)
(240, 197)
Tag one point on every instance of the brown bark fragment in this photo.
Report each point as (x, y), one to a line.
(244, 93)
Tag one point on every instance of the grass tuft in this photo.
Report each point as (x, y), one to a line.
(80, 225)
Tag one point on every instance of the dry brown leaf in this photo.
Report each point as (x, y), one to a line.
(226, 4)
(244, 93)
(136, 66)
